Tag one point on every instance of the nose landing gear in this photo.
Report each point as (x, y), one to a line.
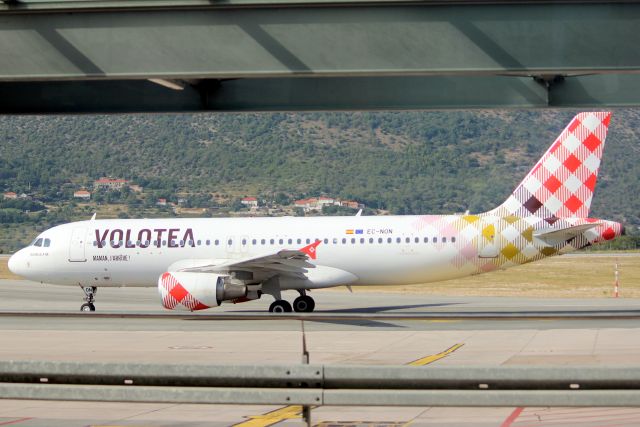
(89, 296)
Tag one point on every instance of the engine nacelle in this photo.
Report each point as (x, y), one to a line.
(197, 291)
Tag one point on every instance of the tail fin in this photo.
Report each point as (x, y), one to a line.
(561, 184)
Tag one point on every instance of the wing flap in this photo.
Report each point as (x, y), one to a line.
(285, 261)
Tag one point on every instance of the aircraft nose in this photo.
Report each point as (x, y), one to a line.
(15, 264)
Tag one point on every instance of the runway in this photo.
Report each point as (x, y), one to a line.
(40, 322)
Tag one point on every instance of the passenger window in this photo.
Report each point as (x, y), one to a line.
(362, 240)
(453, 240)
(244, 242)
(199, 242)
(299, 241)
(379, 239)
(370, 239)
(95, 243)
(254, 241)
(164, 243)
(281, 241)
(308, 241)
(389, 240)
(417, 240)
(326, 241)
(426, 240)
(290, 241)
(271, 242)
(47, 243)
(435, 240)
(444, 240)
(230, 242)
(344, 241)
(262, 242)
(335, 240)
(398, 240)
(353, 240)
(407, 240)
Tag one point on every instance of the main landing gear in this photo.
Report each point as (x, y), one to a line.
(89, 296)
(302, 304)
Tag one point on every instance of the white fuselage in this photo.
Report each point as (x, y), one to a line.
(135, 252)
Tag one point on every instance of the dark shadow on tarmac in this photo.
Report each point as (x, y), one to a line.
(386, 308)
(361, 323)
(363, 310)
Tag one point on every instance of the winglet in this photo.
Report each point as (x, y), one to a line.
(311, 249)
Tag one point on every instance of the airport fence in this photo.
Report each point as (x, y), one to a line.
(316, 385)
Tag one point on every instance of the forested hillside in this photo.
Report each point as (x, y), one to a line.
(405, 162)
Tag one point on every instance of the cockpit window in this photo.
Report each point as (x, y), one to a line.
(38, 242)
(47, 243)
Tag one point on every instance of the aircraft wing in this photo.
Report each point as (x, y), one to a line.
(556, 237)
(285, 261)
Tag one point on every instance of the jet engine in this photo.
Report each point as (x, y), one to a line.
(198, 291)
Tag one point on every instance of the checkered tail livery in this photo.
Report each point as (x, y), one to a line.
(561, 184)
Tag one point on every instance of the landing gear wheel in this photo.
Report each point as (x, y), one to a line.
(280, 306)
(87, 307)
(89, 297)
(304, 304)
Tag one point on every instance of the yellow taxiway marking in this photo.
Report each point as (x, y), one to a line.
(273, 417)
(434, 357)
(295, 411)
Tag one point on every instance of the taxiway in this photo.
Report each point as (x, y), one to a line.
(39, 322)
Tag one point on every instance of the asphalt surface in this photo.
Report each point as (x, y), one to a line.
(39, 322)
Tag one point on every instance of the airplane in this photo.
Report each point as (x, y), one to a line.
(202, 263)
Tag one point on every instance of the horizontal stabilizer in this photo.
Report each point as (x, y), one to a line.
(556, 237)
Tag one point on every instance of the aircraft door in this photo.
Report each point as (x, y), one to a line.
(487, 246)
(77, 245)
